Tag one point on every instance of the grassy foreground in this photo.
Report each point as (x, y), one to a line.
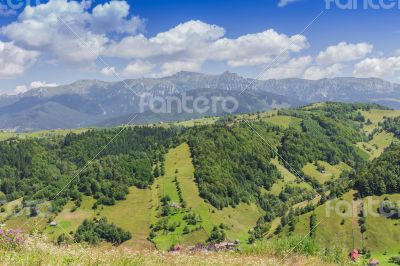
(36, 251)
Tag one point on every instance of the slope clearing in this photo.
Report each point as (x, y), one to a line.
(237, 220)
(375, 147)
(329, 172)
(337, 223)
(288, 179)
(383, 234)
(376, 116)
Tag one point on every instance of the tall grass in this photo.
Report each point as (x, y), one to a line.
(290, 246)
(37, 251)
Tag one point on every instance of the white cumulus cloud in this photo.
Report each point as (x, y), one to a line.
(138, 68)
(257, 49)
(378, 67)
(344, 52)
(67, 31)
(77, 33)
(41, 84)
(192, 43)
(170, 68)
(108, 71)
(19, 89)
(191, 39)
(14, 60)
(293, 68)
(34, 85)
(320, 72)
(114, 16)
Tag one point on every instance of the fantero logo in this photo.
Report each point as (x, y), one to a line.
(184, 103)
(362, 4)
(8, 7)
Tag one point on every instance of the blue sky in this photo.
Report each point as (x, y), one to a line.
(57, 42)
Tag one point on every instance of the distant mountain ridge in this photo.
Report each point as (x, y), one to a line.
(93, 102)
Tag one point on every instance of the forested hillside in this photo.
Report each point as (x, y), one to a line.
(246, 176)
(230, 164)
(40, 168)
(381, 176)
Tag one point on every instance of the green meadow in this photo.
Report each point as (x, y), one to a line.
(376, 116)
(337, 223)
(288, 179)
(330, 172)
(375, 147)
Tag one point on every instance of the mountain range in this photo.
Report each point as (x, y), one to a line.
(97, 103)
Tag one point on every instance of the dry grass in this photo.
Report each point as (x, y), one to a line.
(37, 251)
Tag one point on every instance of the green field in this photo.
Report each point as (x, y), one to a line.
(7, 135)
(288, 179)
(383, 234)
(315, 105)
(132, 214)
(330, 231)
(9, 208)
(338, 226)
(68, 221)
(376, 116)
(196, 122)
(375, 147)
(331, 172)
(283, 120)
(272, 117)
(239, 219)
(41, 134)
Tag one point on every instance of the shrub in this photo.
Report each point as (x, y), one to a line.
(395, 260)
(217, 235)
(95, 230)
(10, 239)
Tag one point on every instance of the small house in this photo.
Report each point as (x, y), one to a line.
(53, 223)
(175, 205)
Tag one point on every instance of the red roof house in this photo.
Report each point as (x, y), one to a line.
(354, 255)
